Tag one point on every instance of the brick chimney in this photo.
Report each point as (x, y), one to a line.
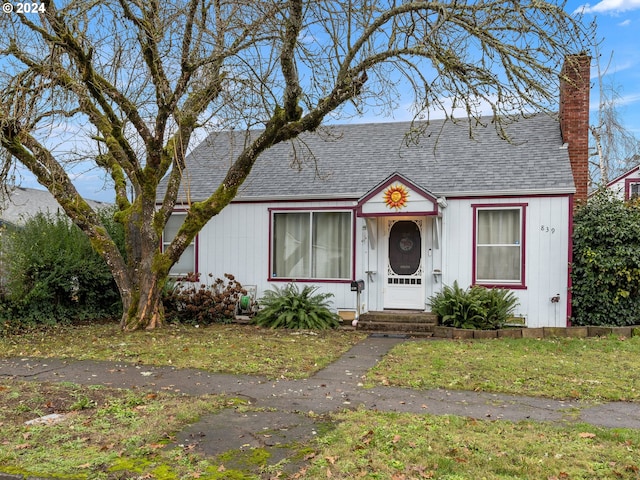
(575, 83)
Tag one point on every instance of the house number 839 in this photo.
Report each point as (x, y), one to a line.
(547, 229)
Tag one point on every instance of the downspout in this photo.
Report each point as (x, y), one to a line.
(570, 260)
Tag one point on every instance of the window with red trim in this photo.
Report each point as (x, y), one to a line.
(311, 245)
(499, 246)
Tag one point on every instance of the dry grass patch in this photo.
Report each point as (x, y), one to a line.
(114, 434)
(236, 349)
(101, 433)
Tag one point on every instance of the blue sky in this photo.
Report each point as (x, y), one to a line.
(618, 28)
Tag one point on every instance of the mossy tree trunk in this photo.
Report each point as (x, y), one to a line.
(148, 268)
(142, 307)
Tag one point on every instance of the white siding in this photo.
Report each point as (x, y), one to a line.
(416, 203)
(237, 242)
(431, 258)
(619, 186)
(546, 254)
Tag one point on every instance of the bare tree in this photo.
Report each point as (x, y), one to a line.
(614, 149)
(134, 79)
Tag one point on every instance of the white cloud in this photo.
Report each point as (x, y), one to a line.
(610, 69)
(626, 23)
(609, 6)
(629, 99)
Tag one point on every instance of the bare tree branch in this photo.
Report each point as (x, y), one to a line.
(614, 148)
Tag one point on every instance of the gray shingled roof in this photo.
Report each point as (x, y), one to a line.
(26, 202)
(349, 160)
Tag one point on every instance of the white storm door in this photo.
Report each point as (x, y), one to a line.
(404, 282)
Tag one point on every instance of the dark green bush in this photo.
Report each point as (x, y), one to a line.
(288, 307)
(188, 301)
(606, 262)
(51, 274)
(476, 307)
(457, 307)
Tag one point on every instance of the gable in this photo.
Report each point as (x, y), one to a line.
(626, 185)
(396, 196)
(633, 173)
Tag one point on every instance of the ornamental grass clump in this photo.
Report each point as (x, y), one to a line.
(474, 308)
(288, 307)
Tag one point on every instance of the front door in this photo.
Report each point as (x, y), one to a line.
(404, 283)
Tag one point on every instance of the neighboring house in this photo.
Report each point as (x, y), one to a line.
(27, 202)
(23, 203)
(627, 185)
(365, 202)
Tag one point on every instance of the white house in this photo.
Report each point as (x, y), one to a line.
(627, 185)
(367, 202)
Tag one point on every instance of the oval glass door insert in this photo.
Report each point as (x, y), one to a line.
(405, 247)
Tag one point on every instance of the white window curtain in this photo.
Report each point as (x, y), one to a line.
(291, 240)
(312, 245)
(187, 261)
(331, 254)
(498, 256)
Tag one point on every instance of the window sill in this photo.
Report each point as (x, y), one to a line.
(506, 286)
(309, 280)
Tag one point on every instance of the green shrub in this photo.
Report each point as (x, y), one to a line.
(288, 307)
(51, 274)
(188, 301)
(457, 307)
(501, 305)
(606, 262)
(477, 307)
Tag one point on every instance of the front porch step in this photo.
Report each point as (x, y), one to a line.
(399, 322)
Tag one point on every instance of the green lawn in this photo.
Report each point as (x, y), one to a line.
(588, 369)
(237, 349)
(116, 434)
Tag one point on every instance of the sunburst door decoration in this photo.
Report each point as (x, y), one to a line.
(396, 196)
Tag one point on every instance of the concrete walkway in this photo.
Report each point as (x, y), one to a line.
(339, 386)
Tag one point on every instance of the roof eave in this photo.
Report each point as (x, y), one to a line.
(354, 196)
(534, 192)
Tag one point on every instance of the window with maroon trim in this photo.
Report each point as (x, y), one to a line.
(187, 261)
(499, 246)
(311, 245)
(634, 190)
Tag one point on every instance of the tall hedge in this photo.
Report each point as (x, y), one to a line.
(50, 274)
(606, 262)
